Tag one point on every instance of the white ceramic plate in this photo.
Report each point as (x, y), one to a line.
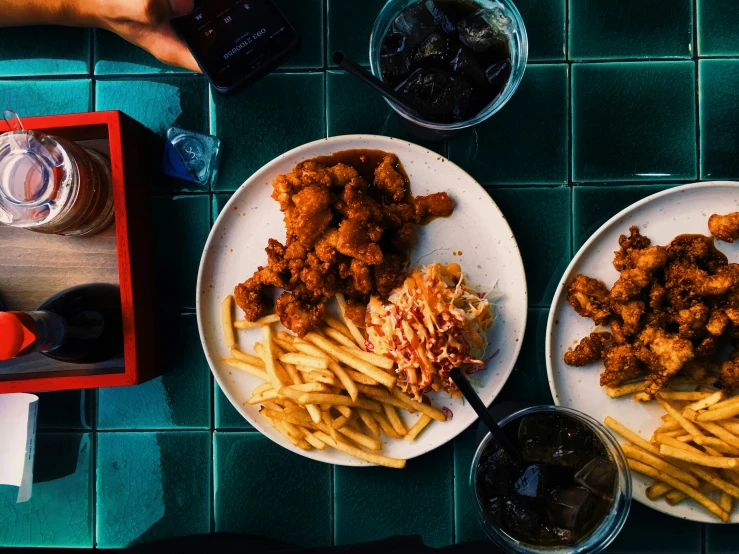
(477, 229)
(661, 217)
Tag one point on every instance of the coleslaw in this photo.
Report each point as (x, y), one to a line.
(436, 321)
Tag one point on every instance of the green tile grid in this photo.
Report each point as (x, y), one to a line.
(617, 103)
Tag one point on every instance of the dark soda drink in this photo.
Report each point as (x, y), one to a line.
(558, 492)
(450, 58)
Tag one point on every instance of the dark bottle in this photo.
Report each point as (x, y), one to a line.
(80, 325)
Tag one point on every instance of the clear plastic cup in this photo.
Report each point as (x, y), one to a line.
(602, 536)
(429, 130)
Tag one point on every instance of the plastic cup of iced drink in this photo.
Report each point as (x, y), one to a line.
(457, 62)
(569, 493)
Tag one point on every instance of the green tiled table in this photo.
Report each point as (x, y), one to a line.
(620, 100)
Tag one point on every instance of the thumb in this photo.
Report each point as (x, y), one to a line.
(181, 7)
(168, 48)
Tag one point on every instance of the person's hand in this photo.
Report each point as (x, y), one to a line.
(145, 23)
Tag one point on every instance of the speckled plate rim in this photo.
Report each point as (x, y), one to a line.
(516, 301)
(688, 510)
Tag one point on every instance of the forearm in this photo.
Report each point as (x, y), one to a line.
(43, 12)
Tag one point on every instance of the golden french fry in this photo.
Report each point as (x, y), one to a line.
(679, 485)
(712, 452)
(724, 403)
(248, 358)
(658, 463)
(360, 438)
(261, 388)
(679, 433)
(392, 417)
(684, 423)
(287, 346)
(360, 377)
(328, 422)
(339, 400)
(324, 372)
(726, 502)
(698, 459)
(351, 360)
(731, 426)
(311, 350)
(719, 413)
(266, 320)
(657, 489)
(246, 368)
(356, 334)
(369, 421)
(270, 359)
(311, 439)
(338, 326)
(675, 497)
(271, 394)
(344, 410)
(386, 427)
(339, 422)
(273, 405)
(361, 454)
(340, 337)
(630, 436)
(304, 360)
(382, 395)
(721, 433)
(308, 387)
(669, 427)
(291, 417)
(623, 390)
(427, 409)
(417, 427)
(227, 321)
(345, 379)
(683, 395)
(314, 377)
(709, 400)
(375, 359)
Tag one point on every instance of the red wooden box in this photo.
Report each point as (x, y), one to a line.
(130, 147)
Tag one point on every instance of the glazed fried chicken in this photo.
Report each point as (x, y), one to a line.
(588, 350)
(350, 223)
(724, 227)
(673, 309)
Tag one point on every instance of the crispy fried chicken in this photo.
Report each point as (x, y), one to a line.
(724, 227)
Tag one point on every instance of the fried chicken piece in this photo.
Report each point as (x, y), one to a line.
(311, 173)
(341, 174)
(706, 347)
(589, 297)
(690, 247)
(310, 217)
(634, 241)
(695, 370)
(325, 247)
(717, 322)
(617, 330)
(630, 313)
(356, 311)
(657, 294)
(355, 241)
(732, 314)
(724, 227)
(251, 297)
(725, 279)
(357, 205)
(404, 238)
(361, 276)
(588, 350)
(284, 186)
(620, 364)
(681, 281)
(389, 274)
(659, 318)
(638, 275)
(436, 205)
(692, 321)
(394, 216)
(299, 316)
(387, 178)
(666, 355)
(320, 278)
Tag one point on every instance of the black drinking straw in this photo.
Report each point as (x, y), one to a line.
(471, 396)
(356, 70)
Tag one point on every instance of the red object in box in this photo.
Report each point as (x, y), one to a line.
(130, 145)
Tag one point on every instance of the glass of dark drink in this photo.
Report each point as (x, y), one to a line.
(456, 62)
(569, 493)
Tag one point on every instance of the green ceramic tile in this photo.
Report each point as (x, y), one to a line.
(158, 103)
(70, 409)
(28, 98)
(349, 27)
(466, 525)
(721, 539)
(263, 489)
(633, 121)
(269, 118)
(540, 220)
(719, 118)
(528, 382)
(44, 51)
(354, 109)
(152, 486)
(181, 227)
(219, 200)
(545, 26)
(307, 18)
(717, 24)
(226, 415)
(631, 29)
(648, 531)
(114, 55)
(378, 502)
(526, 142)
(593, 206)
(180, 398)
(59, 513)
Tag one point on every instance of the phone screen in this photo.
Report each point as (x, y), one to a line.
(233, 39)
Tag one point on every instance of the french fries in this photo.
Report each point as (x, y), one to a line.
(326, 391)
(693, 453)
(356, 334)
(227, 321)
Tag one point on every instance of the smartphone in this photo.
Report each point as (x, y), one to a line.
(237, 42)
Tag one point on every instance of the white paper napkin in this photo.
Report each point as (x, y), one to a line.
(18, 441)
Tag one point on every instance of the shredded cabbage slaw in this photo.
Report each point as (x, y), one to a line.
(436, 321)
